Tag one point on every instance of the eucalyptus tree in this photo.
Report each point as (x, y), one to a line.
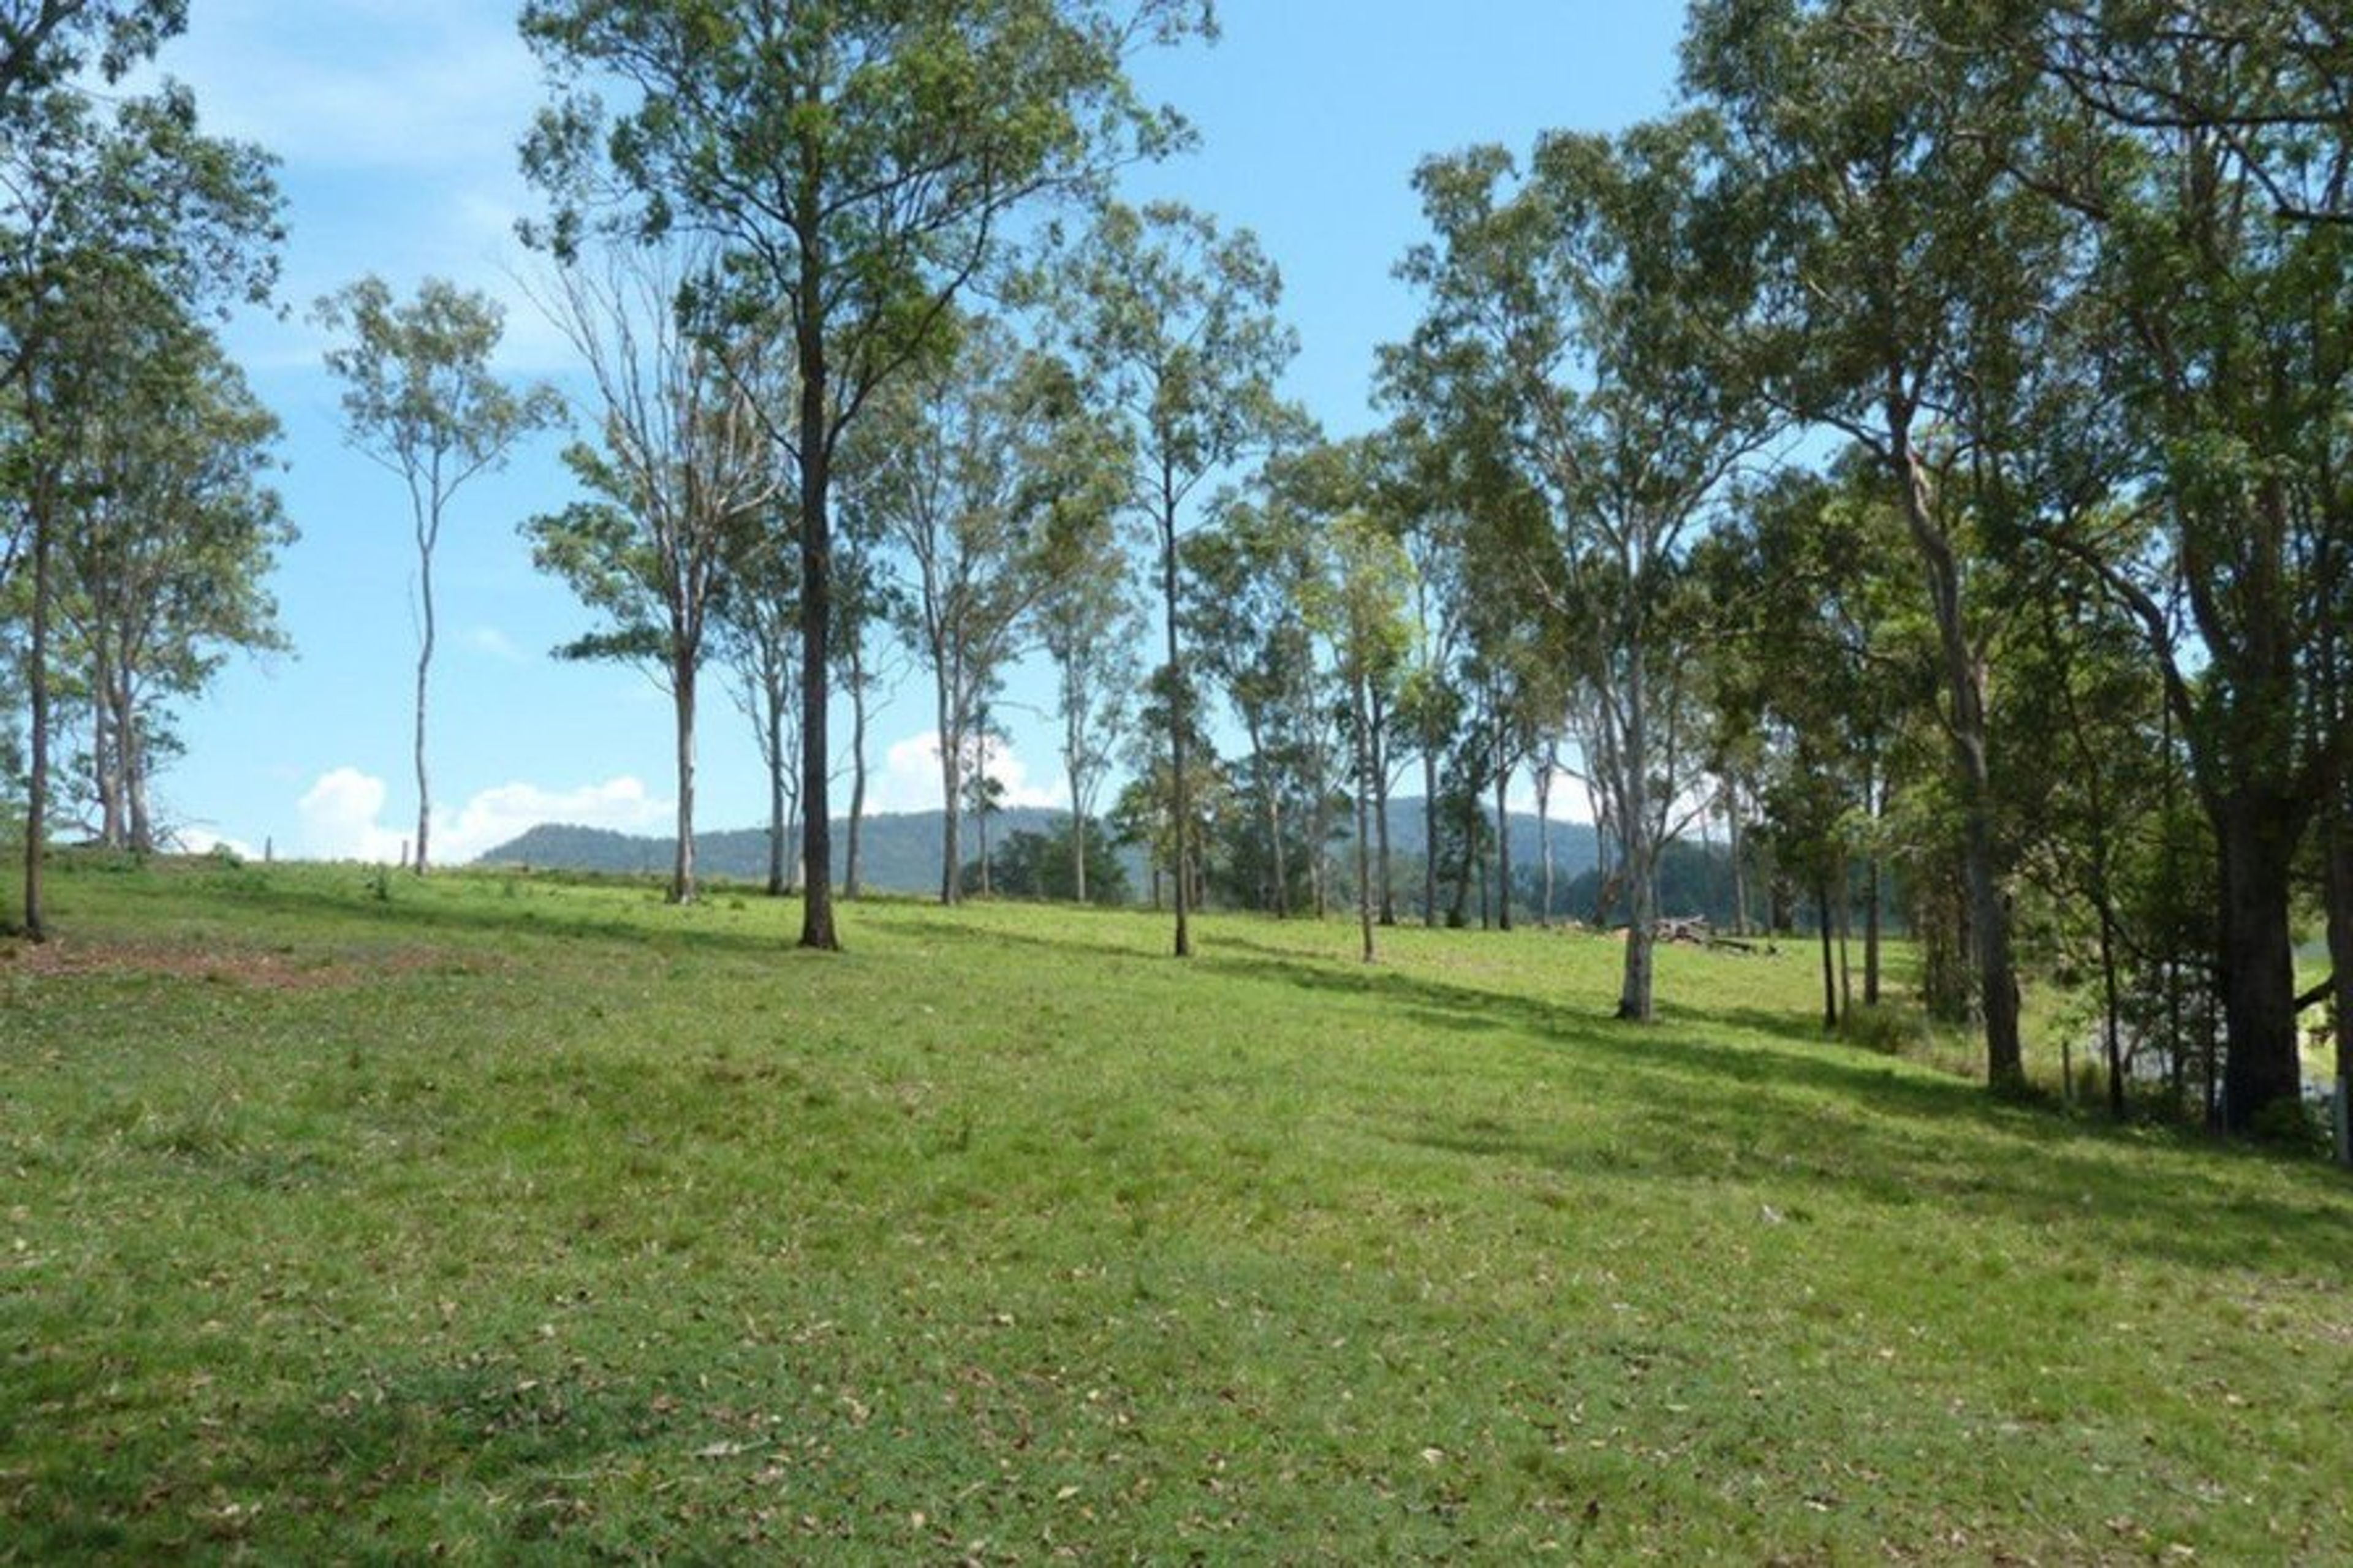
(2208, 146)
(1172, 324)
(1360, 607)
(1589, 303)
(1354, 597)
(46, 44)
(756, 625)
(1817, 663)
(1252, 569)
(1431, 475)
(952, 477)
(864, 599)
(422, 400)
(91, 205)
(679, 470)
(1088, 622)
(859, 162)
(2087, 775)
(1905, 260)
(171, 531)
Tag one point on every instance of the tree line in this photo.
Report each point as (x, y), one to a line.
(1921, 454)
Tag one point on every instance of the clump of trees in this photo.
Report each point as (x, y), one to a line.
(136, 523)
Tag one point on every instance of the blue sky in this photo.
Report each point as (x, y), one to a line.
(396, 122)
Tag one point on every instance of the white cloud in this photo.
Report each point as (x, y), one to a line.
(910, 780)
(341, 816)
(495, 816)
(203, 841)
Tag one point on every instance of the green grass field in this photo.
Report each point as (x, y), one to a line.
(511, 1220)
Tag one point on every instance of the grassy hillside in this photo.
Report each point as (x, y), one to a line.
(517, 1219)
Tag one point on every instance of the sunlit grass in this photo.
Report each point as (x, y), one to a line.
(511, 1218)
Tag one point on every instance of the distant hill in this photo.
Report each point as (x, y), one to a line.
(902, 850)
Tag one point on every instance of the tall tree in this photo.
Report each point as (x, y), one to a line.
(420, 399)
(1088, 622)
(1363, 614)
(952, 483)
(1900, 245)
(680, 467)
(1586, 307)
(1252, 570)
(86, 203)
(2208, 145)
(169, 540)
(1174, 323)
(858, 160)
(757, 622)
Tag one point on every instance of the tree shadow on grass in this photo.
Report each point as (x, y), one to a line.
(1737, 1091)
(1784, 1105)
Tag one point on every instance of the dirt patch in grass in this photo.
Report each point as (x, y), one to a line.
(260, 969)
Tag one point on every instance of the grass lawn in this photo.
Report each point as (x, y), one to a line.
(511, 1220)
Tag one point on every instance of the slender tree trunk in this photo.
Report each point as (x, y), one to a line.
(143, 818)
(1604, 828)
(424, 672)
(2112, 1009)
(133, 761)
(951, 787)
(1429, 838)
(1635, 997)
(817, 560)
(1737, 848)
(1077, 827)
(853, 869)
(37, 684)
(1367, 776)
(1964, 691)
(106, 759)
(1180, 791)
(1269, 800)
(682, 689)
(1502, 841)
(1830, 967)
(1873, 921)
(1319, 817)
(1382, 807)
(775, 698)
(131, 743)
(1846, 920)
(2340, 984)
(1874, 883)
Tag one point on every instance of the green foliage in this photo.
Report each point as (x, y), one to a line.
(47, 43)
(1031, 863)
(857, 163)
(566, 1224)
(419, 396)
